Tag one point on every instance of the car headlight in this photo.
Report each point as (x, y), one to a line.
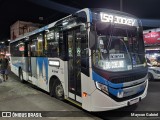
(157, 71)
(102, 87)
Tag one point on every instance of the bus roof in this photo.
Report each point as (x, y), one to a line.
(85, 9)
(45, 27)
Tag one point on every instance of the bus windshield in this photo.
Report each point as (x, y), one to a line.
(119, 48)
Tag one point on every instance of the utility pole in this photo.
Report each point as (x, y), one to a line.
(121, 5)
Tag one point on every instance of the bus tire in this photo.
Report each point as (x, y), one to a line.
(57, 90)
(150, 76)
(51, 89)
(21, 75)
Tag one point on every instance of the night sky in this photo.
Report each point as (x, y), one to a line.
(51, 10)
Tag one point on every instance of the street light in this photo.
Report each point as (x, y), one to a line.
(9, 40)
(2, 42)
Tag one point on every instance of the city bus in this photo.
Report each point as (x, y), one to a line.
(94, 58)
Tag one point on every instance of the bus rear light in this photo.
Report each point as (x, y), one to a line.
(102, 87)
(84, 94)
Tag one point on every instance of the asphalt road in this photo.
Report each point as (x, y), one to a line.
(16, 96)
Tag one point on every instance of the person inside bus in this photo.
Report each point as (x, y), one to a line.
(115, 49)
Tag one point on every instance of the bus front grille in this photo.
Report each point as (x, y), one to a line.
(127, 79)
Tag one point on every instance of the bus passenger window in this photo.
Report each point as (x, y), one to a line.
(51, 44)
(33, 49)
(36, 45)
(40, 45)
(18, 49)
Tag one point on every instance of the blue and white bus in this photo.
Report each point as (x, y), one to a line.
(94, 58)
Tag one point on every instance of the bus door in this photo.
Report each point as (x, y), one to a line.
(29, 61)
(28, 58)
(74, 64)
(32, 66)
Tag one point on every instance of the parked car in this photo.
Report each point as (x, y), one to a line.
(153, 72)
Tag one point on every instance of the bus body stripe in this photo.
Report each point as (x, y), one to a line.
(104, 81)
(18, 64)
(90, 16)
(117, 89)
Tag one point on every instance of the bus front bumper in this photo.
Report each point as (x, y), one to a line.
(102, 102)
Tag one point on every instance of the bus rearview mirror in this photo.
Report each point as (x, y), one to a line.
(92, 39)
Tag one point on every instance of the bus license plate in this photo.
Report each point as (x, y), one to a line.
(133, 101)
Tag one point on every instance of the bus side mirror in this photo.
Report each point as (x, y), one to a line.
(92, 39)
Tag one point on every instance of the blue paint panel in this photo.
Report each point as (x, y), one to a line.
(43, 62)
(120, 85)
(40, 63)
(18, 64)
(110, 85)
(114, 91)
(100, 79)
(90, 16)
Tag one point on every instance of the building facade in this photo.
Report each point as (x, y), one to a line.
(21, 27)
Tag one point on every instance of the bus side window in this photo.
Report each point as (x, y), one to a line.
(21, 47)
(33, 49)
(36, 45)
(39, 49)
(15, 49)
(51, 43)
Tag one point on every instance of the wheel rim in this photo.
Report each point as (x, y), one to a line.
(59, 91)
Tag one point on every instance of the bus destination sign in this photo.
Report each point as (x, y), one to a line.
(116, 19)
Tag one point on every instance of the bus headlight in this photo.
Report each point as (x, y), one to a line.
(102, 87)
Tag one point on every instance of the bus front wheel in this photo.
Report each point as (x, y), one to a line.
(57, 90)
